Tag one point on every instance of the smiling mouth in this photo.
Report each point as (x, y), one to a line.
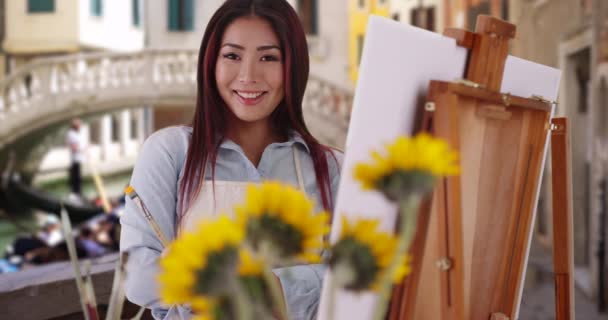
(250, 98)
(249, 95)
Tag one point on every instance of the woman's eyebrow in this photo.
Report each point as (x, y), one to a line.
(233, 45)
(260, 48)
(269, 47)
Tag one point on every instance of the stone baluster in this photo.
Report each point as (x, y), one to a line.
(125, 131)
(43, 76)
(106, 137)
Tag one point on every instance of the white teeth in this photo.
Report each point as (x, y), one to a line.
(247, 95)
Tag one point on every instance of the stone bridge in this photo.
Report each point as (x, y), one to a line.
(48, 92)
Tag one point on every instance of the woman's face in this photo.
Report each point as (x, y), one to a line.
(249, 69)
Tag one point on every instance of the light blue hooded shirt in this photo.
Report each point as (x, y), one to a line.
(156, 178)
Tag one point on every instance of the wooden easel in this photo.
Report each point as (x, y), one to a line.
(469, 252)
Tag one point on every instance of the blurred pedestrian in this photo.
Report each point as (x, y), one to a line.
(76, 147)
(87, 240)
(51, 231)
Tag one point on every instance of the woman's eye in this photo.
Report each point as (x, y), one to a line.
(230, 56)
(271, 58)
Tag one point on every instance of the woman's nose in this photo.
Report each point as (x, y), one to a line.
(248, 71)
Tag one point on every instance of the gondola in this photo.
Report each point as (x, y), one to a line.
(18, 194)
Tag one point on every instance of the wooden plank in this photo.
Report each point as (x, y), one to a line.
(447, 126)
(486, 24)
(535, 130)
(499, 98)
(52, 290)
(427, 304)
(471, 160)
(563, 256)
(463, 38)
(499, 316)
(489, 52)
(490, 219)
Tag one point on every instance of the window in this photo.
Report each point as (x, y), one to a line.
(309, 14)
(505, 10)
(136, 11)
(181, 15)
(582, 73)
(40, 6)
(474, 11)
(423, 18)
(134, 123)
(360, 41)
(587, 6)
(97, 8)
(115, 127)
(95, 131)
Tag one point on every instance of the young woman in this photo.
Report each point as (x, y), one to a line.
(248, 127)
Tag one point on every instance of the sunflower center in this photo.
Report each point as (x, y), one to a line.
(271, 229)
(221, 267)
(406, 182)
(360, 257)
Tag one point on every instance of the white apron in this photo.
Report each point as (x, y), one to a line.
(227, 195)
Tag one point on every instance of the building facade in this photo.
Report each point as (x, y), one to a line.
(177, 24)
(44, 28)
(326, 24)
(463, 13)
(571, 35)
(359, 12)
(426, 14)
(47, 27)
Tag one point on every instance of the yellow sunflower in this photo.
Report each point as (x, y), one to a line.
(197, 263)
(248, 265)
(281, 219)
(369, 253)
(408, 164)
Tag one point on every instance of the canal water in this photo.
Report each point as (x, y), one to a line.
(114, 185)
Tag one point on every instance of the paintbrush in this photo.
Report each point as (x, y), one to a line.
(130, 192)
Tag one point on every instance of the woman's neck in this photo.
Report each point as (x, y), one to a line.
(253, 138)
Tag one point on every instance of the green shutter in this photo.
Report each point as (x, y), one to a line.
(136, 13)
(360, 41)
(314, 17)
(97, 8)
(173, 14)
(34, 6)
(188, 14)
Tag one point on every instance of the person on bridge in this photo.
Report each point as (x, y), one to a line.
(75, 145)
(248, 127)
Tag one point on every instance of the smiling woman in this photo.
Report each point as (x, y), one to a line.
(249, 74)
(248, 127)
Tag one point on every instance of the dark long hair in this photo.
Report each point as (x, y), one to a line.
(209, 123)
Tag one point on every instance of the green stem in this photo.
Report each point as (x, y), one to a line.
(242, 304)
(408, 209)
(275, 292)
(333, 290)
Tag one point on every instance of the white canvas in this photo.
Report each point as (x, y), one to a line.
(398, 61)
